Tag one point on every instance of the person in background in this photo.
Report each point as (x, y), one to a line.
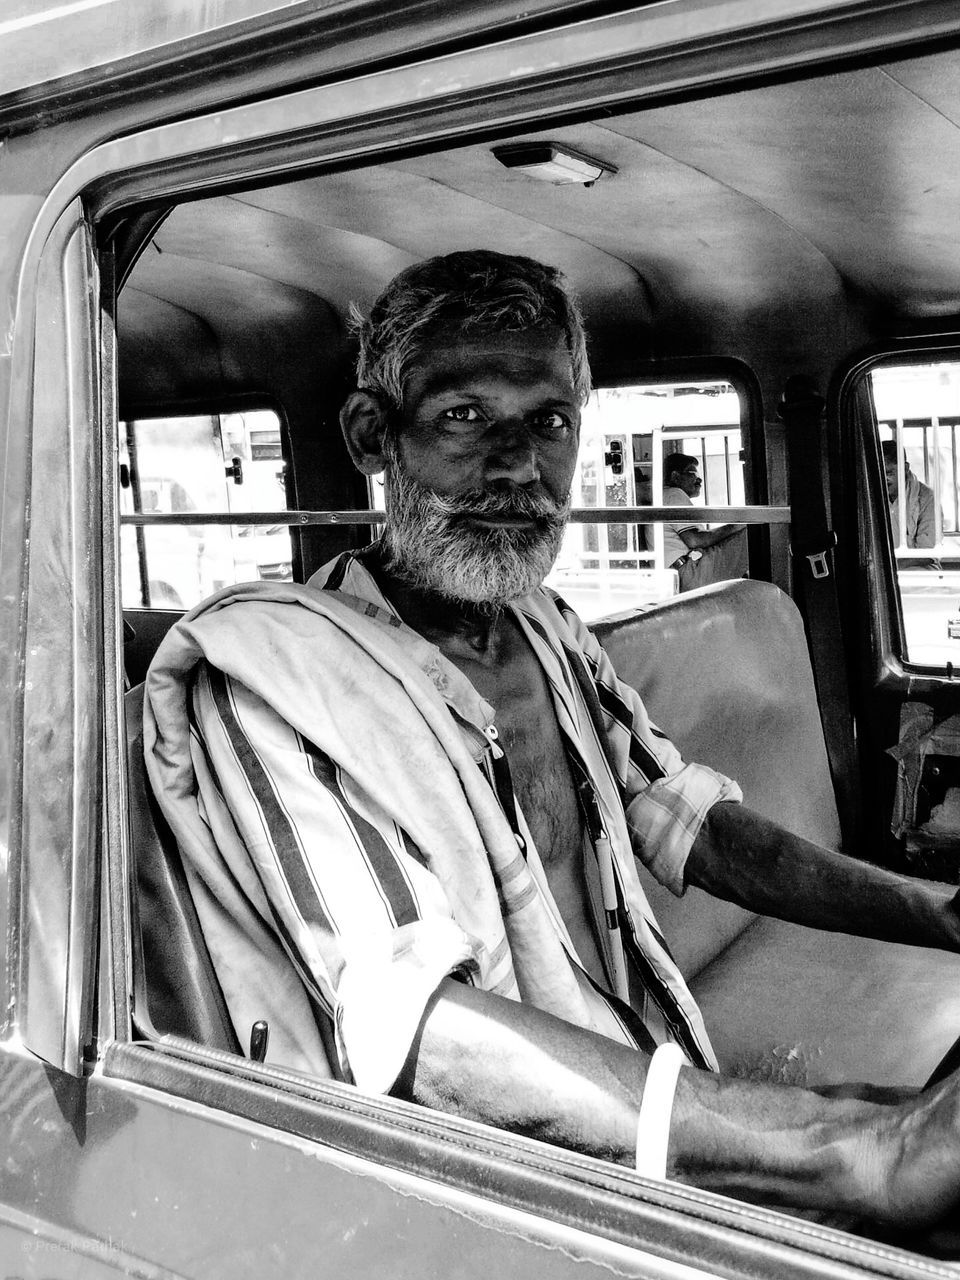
(699, 554)
(919, 505)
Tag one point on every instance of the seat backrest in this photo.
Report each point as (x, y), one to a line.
(143, 631)
(176, 977)
(725, 672)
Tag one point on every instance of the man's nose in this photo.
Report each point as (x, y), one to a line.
(513, 456)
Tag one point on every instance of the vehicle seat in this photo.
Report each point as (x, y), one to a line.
(725, 672)
(173, 972)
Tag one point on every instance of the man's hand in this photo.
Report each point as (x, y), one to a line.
(918, 1174)
(895, 1164)
(747, 859)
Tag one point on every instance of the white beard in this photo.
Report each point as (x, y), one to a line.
(431, 546)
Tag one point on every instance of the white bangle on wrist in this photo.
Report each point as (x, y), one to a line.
(656, 1109)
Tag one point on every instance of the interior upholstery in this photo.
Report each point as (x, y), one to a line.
(725, 672)
(784, 224)
(143, 631)
(805, 1007)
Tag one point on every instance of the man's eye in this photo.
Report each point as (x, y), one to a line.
(462, 413)
(551, 424)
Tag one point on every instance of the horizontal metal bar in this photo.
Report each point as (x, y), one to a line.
(661, 515)
(297, 519)
(580, 515)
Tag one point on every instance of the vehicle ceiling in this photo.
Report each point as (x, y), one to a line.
(785, 224)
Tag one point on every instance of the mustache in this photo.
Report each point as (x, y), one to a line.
(501, 502)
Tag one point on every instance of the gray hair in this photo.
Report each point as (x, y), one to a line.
(477, 292)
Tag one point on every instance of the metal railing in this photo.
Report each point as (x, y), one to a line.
(581, 515)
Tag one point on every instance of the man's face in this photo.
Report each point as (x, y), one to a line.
(890, 472)
(479, 474)
(688, 480)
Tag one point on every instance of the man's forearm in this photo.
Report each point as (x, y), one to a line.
(747, 859)
(894, 1164)
(515, 1067)
(700, 539)
(777, 1145)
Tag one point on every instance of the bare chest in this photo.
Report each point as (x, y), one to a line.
(530, 735)
(542, 780)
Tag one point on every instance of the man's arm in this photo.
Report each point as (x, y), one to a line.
(515, 1067)
(699, 539)
(740, 856)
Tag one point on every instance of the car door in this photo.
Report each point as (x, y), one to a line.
(141, 1153)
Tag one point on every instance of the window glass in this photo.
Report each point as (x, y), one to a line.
(918, 414)
(626, 433)
(230, 463)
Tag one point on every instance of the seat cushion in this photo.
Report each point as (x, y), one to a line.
(802, 1006)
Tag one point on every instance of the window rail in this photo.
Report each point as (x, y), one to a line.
(581, 515)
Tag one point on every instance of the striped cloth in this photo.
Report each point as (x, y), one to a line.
(317, 761)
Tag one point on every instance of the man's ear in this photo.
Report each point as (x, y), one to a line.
(364, 420)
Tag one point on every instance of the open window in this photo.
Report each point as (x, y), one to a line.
(917, 407)
(900, 411)
(171, 466)
(627, 433)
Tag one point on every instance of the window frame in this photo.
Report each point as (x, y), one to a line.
(54, 859)
(861, 508)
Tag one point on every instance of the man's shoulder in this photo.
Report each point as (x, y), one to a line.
(347, 574)
(554, 618)
(674, 497)
(332, 575)
(549, 599)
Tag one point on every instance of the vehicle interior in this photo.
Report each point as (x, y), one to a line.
(800, 230)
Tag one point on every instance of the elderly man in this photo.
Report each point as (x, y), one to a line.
(700, 555)
(409, 798)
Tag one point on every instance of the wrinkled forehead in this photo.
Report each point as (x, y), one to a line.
(457, 356)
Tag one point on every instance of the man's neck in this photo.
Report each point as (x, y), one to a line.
(452, 625)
